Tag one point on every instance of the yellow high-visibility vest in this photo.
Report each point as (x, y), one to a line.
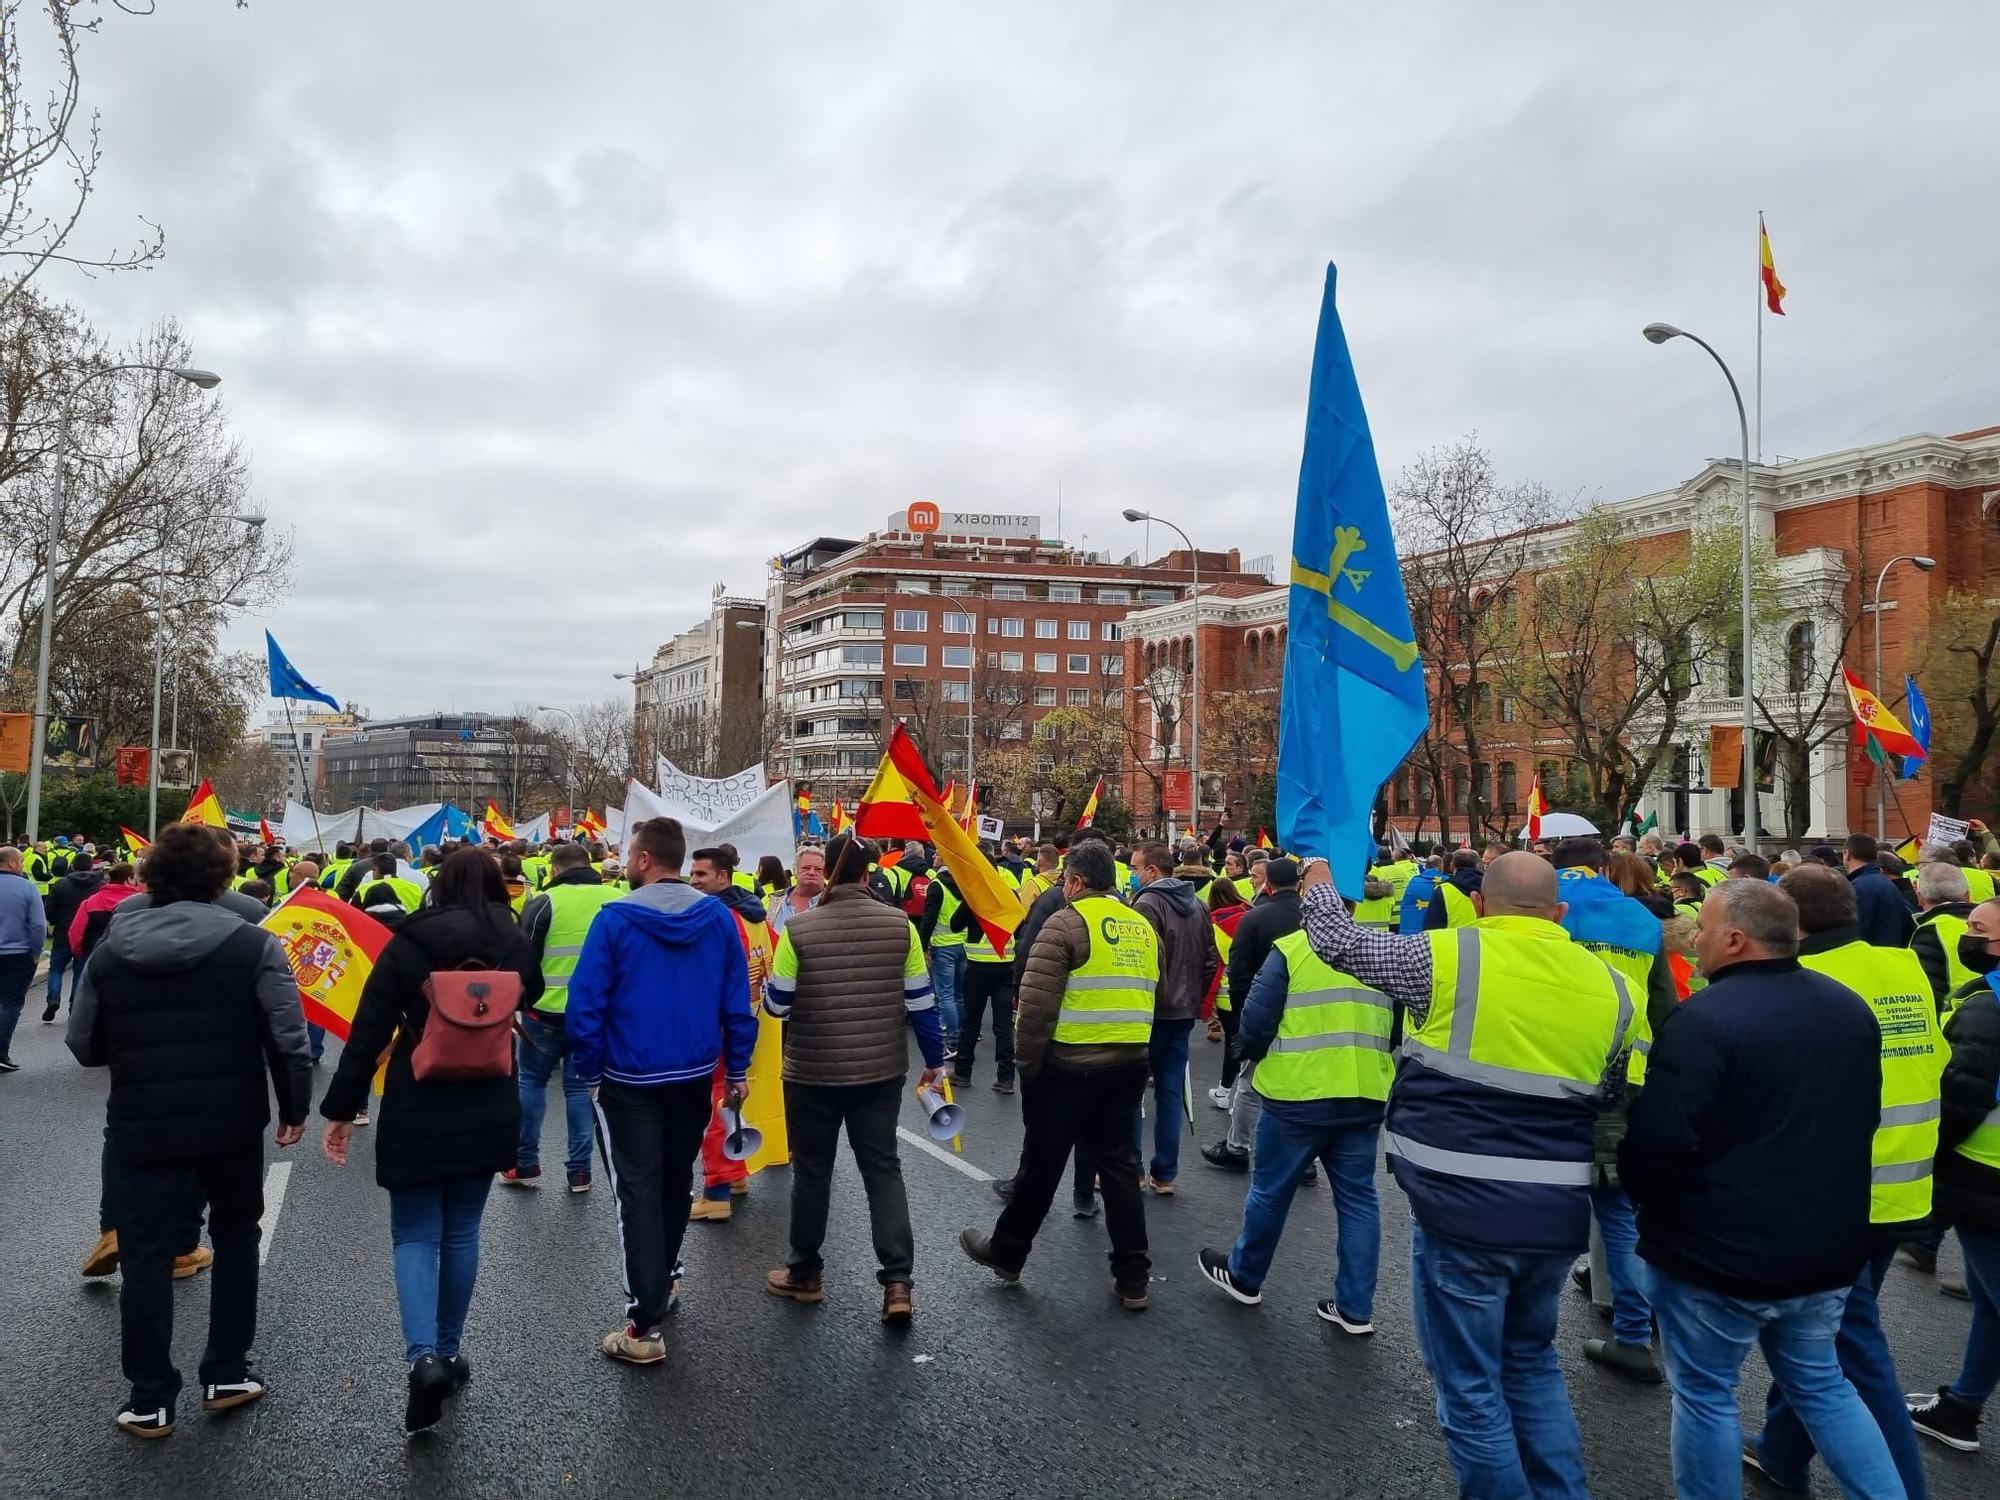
(1109, 996)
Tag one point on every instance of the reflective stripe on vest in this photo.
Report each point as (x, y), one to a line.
(1893, 983)
(1333, 1039)
(1490, 1168)
(978, 947)
(572, 908)
(1108, 998)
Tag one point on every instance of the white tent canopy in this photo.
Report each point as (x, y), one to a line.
(302, 828)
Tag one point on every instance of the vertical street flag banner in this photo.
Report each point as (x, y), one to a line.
(1919, 713)
(1767, 271)
(287, 681)
(332, 948)
(205, 807)
(132, 764)
(1353, 697)
(1090, 807)
(1885, 732)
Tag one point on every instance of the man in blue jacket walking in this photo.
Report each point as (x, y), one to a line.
(661, 993)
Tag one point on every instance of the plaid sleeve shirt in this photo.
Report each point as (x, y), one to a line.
(1398, 966)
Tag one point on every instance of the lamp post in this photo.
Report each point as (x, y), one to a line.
(206, 380)
(1923, 565)
(255, 523)
(1659, 333)
(1194, 670)
(550, 708)
(174, 719)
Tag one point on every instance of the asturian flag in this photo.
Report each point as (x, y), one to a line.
(1919, 713)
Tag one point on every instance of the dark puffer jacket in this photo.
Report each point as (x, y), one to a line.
(432, 1132)
(1968, 1192)
(1188, 958)
(847, 1014)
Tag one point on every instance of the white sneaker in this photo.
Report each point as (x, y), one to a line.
(1219, 1097)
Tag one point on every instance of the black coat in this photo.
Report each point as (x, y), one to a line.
(1966, 1192)
(65, 896)
(1268, 920)
(432, 1132)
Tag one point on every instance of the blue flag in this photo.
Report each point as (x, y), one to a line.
(1353, 700)
(286, 681)
(1917, 715)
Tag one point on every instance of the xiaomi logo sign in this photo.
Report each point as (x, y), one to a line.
(923, 517)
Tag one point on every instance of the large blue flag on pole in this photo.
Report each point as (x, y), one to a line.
(1917, 716)
(287, 682)
(1353, 700)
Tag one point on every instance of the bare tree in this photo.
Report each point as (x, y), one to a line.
(1963, 669)
(253, 775)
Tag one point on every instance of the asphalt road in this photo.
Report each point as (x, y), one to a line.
(1044, 1389)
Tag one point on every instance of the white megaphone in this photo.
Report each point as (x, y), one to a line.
(740, 1142)
(946, 1118)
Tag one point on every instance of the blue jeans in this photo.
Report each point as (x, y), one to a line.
(1980, 1373)
(60, 959)
(544, 1046)
(947, 973)
(1631, 1314)
(435, 1231)
(316, 1039)
(1705, 1337)
(1863, 1351)
(1284, 1148)
(1486, 1327)
(1167, 1052)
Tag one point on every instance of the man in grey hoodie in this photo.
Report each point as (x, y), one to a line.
(190, 1007)
(1188, 962)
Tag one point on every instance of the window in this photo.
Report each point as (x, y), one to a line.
(1482, 784)
(954, 692)
(906, 690)
(1045, 661)
(1079, 663)
(959, 587)
(955, 623)
(913, 585)
(957, 656)
(1010, 661)
(1045, 765)
(860, 619)
(911, 656)
(1045, 697)
(1113, 630)
(1046, 630)
(1799, 657)
(1114, 665)
(1011, 730)
(1114, 596)
(863, 656)
(1157, 596)
(1510, 710)
(1114, 697)
(1014, 629)
(912, 619)
(1079, 697)
(1065, 593)
(1079, 630)
(1010, 591)
(1510, 785)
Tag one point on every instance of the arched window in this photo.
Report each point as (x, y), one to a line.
(1510, 787)
(1799, 664)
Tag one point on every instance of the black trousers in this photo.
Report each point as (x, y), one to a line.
(814, 1113)
(650, 1135)
(152, 1227)
(1062, 1109)
(1232, 1059)
(985, 984)
(109, 1196)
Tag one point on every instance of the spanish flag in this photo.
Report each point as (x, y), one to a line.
(134, 843)
(264, 834)
(1767, 271)
(590, 823)
(205, 807)
(839, 816)
(1090, 807)
(1264, 839)
(493, 825)
(903, 797)
(1537, 805)
(1882, 728)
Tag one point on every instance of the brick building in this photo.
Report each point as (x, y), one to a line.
(702, 700)
(983, 625)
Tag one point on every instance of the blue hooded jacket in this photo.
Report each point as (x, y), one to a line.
(661, 991)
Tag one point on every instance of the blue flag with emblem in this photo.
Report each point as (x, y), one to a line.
(286, 681)
(1917, 718)
(1353, 701)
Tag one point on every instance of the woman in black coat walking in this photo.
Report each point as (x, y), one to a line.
(437, 1144)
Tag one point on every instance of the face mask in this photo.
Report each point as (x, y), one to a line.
(1973, 953)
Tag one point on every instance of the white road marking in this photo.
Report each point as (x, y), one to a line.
(275, 1180)
(943, 1154)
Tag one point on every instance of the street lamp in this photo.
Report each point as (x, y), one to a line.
(174, 724)
(550, 708)
(254, 523)
(1194, 669)
(1659, 333)
(1923, 565)
(206, 380)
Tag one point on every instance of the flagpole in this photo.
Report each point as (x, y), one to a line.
(1760, 335)
(304, 785)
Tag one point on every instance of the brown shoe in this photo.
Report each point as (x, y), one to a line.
(104, 1259)
(196, 1260)
(1161, 1189)
(896, 1302)
(805, 1289)
(709, 1210)
(740, 1188)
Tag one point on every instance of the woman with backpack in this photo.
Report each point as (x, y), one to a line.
(444, 991)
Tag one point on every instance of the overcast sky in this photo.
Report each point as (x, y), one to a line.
(540, 320)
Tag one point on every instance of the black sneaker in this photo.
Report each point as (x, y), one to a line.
(1311, 1174)
(1754, 1460)
(1633, 1362)
(978, 1248)
(1951, 1420)
(579, 1181)
(147, 1424)
(430, 1383)
(49, 1013)
(1226, 1157)
(1131, 1295)
(1361, 1328)
(1003, 1085)
(8, 1065)
(960, 1080)
(1579, 1276)
(1003, 1189)
(1083, 1208)
(1214, 1268)
(225, 1394)
(459, 1368)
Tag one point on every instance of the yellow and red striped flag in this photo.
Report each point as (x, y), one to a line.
(1767, 271)
(1537, 805)
(205, 807)
(134, 842)
(1090, 807)
(493, 825)
(332, 948)
(264, 834)
(904, 795)
(1872, 717)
